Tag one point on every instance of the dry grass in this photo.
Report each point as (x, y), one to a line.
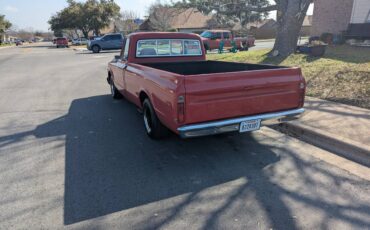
(342, 75)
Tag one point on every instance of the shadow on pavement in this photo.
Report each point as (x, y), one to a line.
(111, 165)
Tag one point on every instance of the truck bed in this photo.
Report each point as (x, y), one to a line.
(207, 67)
(218, 90)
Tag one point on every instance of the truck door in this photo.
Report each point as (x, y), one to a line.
(116, 41)
(105, 42)
(215, 40)
(227, 39)
(119, 70)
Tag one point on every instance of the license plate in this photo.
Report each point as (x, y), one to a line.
(247, 126)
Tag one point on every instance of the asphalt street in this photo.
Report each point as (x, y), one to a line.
(73, 158)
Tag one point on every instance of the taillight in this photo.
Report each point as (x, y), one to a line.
(181, 109)
(302, 87)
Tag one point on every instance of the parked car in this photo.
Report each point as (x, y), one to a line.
(18, 43)
(107, 42)
(79, 41)
(167, 76)
(212, 38)
(61, 42)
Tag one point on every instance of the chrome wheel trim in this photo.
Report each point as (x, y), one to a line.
(146, 122)
(112, 89)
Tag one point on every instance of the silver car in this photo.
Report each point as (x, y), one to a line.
(79, 41)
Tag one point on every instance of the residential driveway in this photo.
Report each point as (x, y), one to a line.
(269, 44)
(71, 157)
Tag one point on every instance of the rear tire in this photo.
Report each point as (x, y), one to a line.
(244, 48)
(153, 126)
(114, 91)
(96, 49)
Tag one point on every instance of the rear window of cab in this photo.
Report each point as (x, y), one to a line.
(168, 47)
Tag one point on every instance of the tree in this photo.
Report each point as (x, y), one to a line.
(290, 16)
(4, 24)
(126, 22)
(92, 15)
(161, 16)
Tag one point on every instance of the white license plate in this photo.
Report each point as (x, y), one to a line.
(247, 126)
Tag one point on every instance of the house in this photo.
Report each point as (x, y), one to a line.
(188, 21)
(336, 16)
(264, 29)
(6, 38)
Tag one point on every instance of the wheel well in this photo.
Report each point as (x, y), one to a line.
(143, 96)
(109, 78)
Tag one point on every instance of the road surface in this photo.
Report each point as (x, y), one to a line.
(73, 158)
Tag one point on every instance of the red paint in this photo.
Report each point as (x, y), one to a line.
(219, 35)
(61, 42)
(207, 96)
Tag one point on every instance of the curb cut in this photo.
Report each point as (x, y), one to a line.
(349, 149)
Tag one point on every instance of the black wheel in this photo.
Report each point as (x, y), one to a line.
(96, 49)
(114, 91)
(57, 47)
(206, 48)
(244, 47)
(153, 126)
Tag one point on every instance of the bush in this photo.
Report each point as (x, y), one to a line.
(327, 38)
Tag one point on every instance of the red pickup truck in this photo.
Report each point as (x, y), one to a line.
(167, 76)
(212, 38)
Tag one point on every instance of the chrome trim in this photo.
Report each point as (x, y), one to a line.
(229, 125)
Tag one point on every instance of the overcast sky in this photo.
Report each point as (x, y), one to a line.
(35, 13)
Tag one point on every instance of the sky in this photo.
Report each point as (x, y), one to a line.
(25, 14)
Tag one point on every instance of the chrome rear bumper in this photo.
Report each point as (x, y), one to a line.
(230, 125)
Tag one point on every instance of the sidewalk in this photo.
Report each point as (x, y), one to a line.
(339, 128)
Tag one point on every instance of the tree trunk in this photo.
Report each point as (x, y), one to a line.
(85, 33)
(290, 16)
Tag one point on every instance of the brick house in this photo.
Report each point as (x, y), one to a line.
(335, 16)
(188, 21)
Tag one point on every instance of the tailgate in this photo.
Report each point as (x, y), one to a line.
(227, 95)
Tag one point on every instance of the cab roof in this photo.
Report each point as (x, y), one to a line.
(156, 35)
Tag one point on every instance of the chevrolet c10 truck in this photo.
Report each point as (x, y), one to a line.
(167, 76)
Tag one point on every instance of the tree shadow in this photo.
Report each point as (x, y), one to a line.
(111, 166)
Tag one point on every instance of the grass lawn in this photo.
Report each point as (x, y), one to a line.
(3, 45)
(342, 75)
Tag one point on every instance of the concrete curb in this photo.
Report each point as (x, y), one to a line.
(349, 149)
